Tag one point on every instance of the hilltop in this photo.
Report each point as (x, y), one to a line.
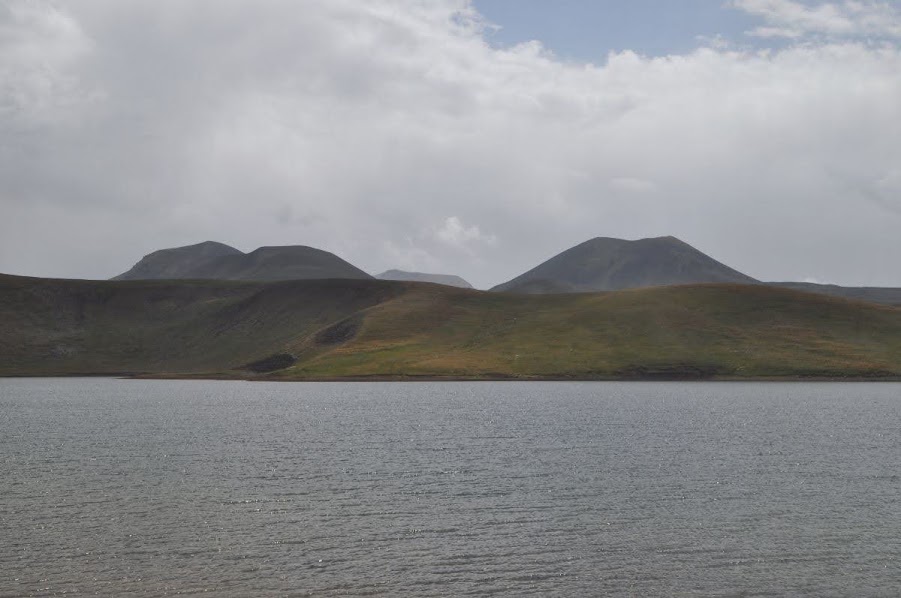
(216, 261)
(178, 262)
(606, 264)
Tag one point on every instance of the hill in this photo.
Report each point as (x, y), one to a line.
(319, 329)
(886, 295)
(215, 261)
(605, 264)
(445, 279)
(95, 327)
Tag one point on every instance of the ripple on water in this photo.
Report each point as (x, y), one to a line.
(145, 488)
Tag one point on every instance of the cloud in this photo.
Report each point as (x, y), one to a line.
(40, 49)
(851, 18)
(390, 130)
(455, 233)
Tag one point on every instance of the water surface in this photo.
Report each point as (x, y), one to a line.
(149, 488)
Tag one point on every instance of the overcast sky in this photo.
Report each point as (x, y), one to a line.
(471, 138)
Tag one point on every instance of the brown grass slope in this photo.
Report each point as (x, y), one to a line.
(669, 332)
(365, 329)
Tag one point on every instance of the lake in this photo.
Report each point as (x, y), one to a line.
(150, 488)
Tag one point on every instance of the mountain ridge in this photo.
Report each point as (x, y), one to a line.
(659, 261)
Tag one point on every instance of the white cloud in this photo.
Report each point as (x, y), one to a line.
(850, 18)
(359, 127)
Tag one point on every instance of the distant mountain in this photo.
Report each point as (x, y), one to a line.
(446, 279)
(605, 264)
(178, 262)
(211, 260)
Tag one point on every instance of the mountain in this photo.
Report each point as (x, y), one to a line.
(365, 329)
(178, 262)
(605, 264)
(211, 260)
(445, 279)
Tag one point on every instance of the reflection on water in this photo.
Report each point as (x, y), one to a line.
(147, 488)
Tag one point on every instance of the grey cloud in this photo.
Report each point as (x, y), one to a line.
(366, 128)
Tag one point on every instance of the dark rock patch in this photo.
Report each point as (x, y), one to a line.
(273, 363)
(338, 333)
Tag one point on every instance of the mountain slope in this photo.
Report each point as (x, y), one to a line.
(363, 328)
(668, 332)
(77, 326)
(215, 261)
(445, 279)
(605, 264)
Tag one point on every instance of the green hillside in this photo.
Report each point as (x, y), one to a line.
(359, 328)
(690, 331)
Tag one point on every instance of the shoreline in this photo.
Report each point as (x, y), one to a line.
(454, 378)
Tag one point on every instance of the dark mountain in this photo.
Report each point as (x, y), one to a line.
(212, 260)
(293, 262)
(178, 262)
(605, 264)
(445, 279)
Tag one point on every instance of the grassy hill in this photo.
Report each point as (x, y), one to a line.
(70, 326)
(368, 328)
(886, 295)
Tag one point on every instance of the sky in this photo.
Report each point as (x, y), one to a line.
(470, 138)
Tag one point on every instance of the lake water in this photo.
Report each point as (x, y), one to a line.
(151, 488)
